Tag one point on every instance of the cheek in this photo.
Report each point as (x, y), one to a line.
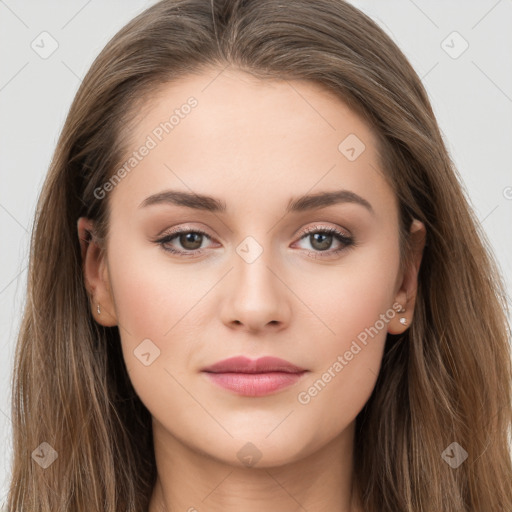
(356, 306)
(151, 294)
(152, 298)
(352, 296)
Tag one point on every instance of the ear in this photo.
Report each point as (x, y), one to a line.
(96, 278)
(408, 281)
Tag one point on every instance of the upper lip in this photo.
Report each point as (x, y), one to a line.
(242, 364)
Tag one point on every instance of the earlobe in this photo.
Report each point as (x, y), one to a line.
(406, 296)
(95, 272)
(401, 320)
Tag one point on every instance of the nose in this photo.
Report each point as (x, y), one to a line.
(257, 298)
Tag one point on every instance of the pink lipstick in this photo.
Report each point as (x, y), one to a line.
(257, 377)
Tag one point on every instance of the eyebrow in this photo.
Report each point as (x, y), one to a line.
(299, 204)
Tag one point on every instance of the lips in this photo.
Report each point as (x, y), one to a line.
(243, 364)
(254, 378)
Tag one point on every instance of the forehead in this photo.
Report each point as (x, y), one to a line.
(231, 100)
(228, 130)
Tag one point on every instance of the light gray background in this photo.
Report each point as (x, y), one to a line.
(471, 96)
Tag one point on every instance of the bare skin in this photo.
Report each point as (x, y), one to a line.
(254, 145)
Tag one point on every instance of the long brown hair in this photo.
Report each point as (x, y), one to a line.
(446, 379)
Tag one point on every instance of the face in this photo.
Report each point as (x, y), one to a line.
(256, 269)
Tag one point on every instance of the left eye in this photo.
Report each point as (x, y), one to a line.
(322, 239)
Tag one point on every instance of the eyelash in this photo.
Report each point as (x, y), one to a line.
(347, 241)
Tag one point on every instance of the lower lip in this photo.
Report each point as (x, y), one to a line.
(255, 384)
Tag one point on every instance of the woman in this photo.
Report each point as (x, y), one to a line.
(255, 281)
